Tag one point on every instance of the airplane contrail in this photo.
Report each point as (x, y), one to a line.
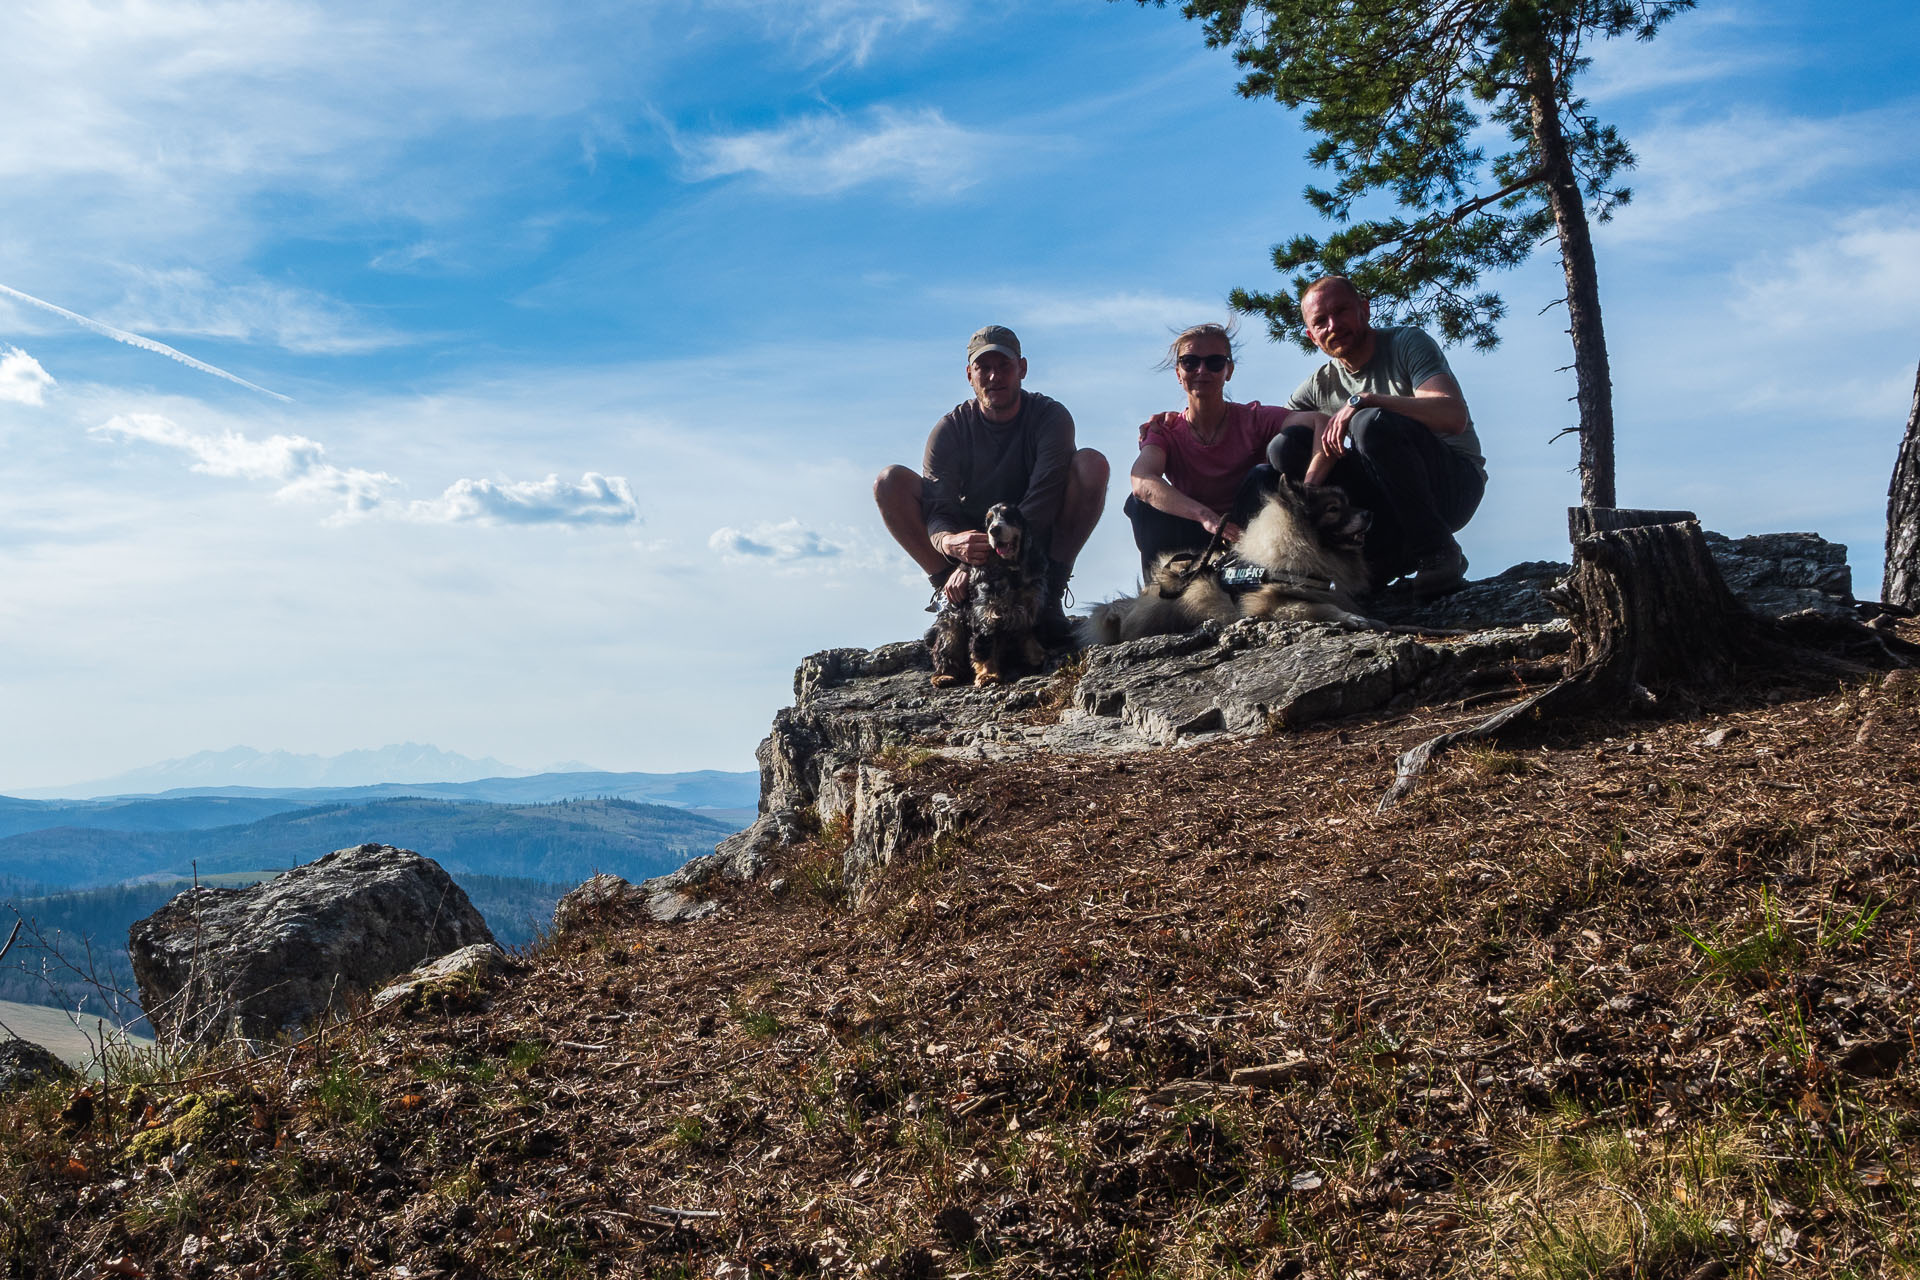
(135, 340)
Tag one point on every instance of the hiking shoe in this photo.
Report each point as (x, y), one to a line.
(1439, 573)
(1053, 628)
(939, 581)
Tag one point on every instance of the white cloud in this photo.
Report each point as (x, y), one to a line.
(788, 544)
(826, 154)
(188, 301)
(1865, 276)
(1745, 163)
(845, 30)
(22, 380)
(597, 499)
(298, 465)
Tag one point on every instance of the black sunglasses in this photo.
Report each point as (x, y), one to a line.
(1191, 364)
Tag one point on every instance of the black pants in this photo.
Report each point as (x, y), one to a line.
(1155, 532)
(1419, 491)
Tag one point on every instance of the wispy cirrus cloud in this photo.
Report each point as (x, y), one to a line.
(251, 90)
(184, 300)
(1124, 311)
(597, 499)
(829, 153)
(298, 465)
(1747, 163)
(150, 132)
(788, 544)
(845, 30)
(1695, 49)
(1872, 261)
(22, 380)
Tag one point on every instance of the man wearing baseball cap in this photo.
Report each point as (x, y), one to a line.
(1006, 444)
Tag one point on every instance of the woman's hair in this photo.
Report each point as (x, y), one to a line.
(1224, 332)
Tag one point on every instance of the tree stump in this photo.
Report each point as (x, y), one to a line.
(1900, 586)
(1649, 608)
(1651, 617)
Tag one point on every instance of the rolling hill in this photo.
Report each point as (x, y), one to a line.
(564, 841)
(729, 797)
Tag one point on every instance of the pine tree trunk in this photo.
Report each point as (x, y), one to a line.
(1901, 583)
(1592, 377)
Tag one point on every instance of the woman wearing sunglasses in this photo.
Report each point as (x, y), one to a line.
(1189, 478)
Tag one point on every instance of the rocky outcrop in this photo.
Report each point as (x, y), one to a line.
(839, 758)
(272, 957)
(888, 814)
(1777, 574)
(24, 1064)
(606, 897)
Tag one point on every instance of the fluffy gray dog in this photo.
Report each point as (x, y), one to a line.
(1306, 540)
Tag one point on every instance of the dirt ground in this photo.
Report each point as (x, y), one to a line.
(1627, 999)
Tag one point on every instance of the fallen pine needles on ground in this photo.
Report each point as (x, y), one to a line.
(1636, 1001)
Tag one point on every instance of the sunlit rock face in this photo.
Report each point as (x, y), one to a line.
(272, 957)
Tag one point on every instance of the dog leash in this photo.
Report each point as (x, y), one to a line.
(1219, 534)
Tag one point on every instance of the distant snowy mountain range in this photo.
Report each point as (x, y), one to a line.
(406, 762)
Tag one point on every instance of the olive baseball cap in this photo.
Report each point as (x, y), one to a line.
(995, 337)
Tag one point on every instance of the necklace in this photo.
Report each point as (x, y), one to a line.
(1208, 439)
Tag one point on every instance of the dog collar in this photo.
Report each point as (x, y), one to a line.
(1288, 578)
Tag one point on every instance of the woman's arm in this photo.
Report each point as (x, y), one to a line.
(1151, 487)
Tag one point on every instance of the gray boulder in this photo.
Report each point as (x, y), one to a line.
(24, 1064)
(270, 958)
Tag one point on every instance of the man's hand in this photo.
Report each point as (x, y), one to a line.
(1162, 420)
(1332, 437)
(970, 547)
(956, 589)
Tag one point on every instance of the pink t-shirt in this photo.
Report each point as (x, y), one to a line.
(1210, 474)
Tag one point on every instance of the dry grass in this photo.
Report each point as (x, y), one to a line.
(1616, 1004)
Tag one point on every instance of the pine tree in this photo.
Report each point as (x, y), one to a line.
(1900, 583)
(1398, 91)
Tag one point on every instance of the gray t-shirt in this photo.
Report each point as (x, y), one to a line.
(1403, 358)
(972, 462)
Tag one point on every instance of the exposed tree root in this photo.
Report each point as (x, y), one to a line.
(1653, 619)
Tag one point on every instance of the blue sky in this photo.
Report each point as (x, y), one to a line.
(588, 326)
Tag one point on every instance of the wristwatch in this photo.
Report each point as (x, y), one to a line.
(1353, 401)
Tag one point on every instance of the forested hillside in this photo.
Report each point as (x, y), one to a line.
(73, 946)
(567, 841)
(177, 813)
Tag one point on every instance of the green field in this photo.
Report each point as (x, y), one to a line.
(52, 1029)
